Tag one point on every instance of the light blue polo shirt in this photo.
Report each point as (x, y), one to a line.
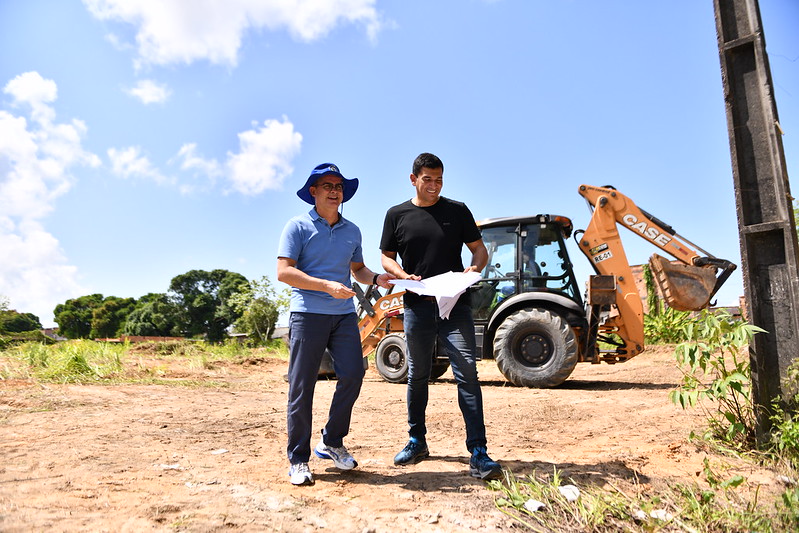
(323, 252)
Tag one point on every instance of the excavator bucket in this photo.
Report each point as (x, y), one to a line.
(684, 287)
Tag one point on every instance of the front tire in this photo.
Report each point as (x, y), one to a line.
(392, 363)
(390, 360)
(535, 348)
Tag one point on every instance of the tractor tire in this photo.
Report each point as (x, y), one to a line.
(390, 360)
(392, 364)
(535, 348)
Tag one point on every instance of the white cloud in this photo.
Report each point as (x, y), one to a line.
(200, 167)
(150, 92)
(184, 31)
(264, 158)
(34, 273)
(30, 88)
(130, 163)
(37, 156)
(263, 161)
(191, 161)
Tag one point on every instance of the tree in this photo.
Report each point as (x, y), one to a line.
(155, 315)
(109, 318)
(259, 306)
(74, 317)
(203, 297)
(13, 322)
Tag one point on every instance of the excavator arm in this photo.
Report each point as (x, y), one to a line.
(688, 284)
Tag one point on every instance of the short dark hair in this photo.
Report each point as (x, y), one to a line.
(426, 160)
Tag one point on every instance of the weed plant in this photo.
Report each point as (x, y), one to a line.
(591, 511)
(662, 325)
(667, 326)
(536, 503)
(717, 379)
(785, 422)
(717, 376)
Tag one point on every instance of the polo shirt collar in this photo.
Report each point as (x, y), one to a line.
(316, 216)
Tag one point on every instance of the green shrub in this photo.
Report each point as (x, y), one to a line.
(8, 340)
(662, 325)
(667, 326)
(714, 369)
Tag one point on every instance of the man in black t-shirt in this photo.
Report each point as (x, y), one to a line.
(428, 233)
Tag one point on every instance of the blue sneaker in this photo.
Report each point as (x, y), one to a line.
(412, 453)
(482, 466)
(340, 456)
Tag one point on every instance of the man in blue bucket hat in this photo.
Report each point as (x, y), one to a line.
(318, 254)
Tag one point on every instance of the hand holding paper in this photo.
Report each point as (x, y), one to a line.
(446, 288)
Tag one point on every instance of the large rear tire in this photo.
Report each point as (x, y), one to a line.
(392, 364)
(535, 348)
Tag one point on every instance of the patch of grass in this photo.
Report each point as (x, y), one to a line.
(539, 503)
(66, 362)
(274, 348)
(188, 383)
(536, 503)
(166, 348)
(83, 361)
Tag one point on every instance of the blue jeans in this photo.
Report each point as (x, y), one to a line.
(309, 335)
(456, 336)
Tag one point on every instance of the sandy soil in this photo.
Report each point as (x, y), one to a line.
(211, 456)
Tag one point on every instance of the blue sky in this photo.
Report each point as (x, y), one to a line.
(140, 140)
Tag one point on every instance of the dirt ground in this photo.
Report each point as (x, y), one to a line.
(211, 455)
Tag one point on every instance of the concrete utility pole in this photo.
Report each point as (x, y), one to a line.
(769, 250)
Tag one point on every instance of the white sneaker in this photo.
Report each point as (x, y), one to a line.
(340, 456)
(300, 474)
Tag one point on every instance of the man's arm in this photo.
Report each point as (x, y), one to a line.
(479, 256)
(363, 274)
(390, 265)
(288, 273)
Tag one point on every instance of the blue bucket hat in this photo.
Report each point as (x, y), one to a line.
(327, 169)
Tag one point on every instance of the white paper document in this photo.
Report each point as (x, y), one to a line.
(446, 288)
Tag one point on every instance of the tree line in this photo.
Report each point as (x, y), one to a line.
(198, 304)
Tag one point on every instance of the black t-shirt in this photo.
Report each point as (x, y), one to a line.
(429, 240)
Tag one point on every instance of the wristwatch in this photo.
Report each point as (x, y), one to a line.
(374, 279)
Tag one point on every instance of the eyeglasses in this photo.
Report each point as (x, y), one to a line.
(338, 187)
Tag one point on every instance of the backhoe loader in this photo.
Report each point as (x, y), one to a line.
(529, 313)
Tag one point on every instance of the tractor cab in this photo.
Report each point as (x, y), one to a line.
(527, 263)
(525, 254)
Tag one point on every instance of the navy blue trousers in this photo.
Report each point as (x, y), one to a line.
(309, 335)
(456, 336)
